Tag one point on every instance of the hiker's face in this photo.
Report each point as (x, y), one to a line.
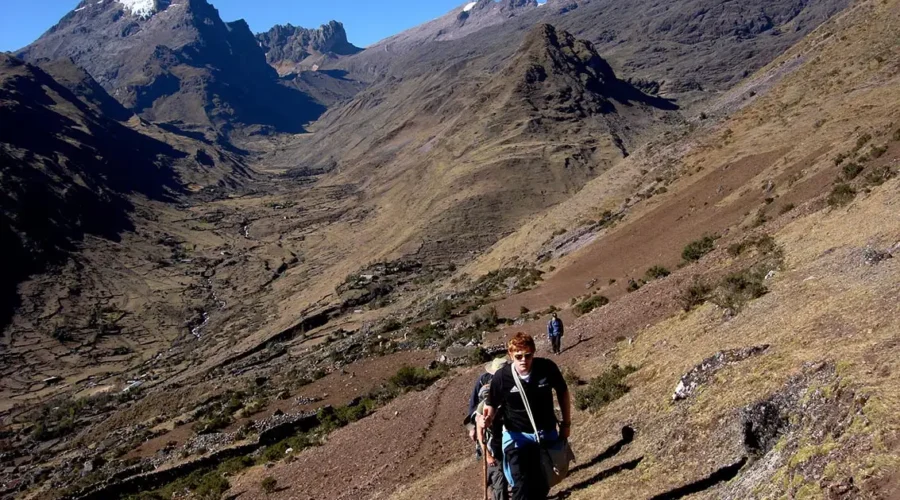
(522, 359)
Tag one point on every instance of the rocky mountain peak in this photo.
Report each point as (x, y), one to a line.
(555, 65)
(176, 62)
(291, 48)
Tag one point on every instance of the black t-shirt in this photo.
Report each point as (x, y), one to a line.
(505, 396)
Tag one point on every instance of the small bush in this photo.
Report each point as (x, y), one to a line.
(896, 135)
(785, 209)
(851, 170)
(572, 379)
(391, 325)
(739, 288)
(657, 272)
(877, 151)
(523, 310)
(841, 195)
(408, 377)
(443, 310)
(863, 139)
(268, 485)
(633, 285)
(589, 304)
(602, 390)
(879, 176)
(695, 294)
(694, 250)
(764, 244)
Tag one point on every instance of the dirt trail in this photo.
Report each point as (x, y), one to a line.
(400, 443)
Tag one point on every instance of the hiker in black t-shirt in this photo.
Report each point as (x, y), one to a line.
(505, 406)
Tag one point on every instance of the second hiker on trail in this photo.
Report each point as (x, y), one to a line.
(506, 407)
(555, 333)
(493, 453)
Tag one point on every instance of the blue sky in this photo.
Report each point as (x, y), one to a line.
(366, 22)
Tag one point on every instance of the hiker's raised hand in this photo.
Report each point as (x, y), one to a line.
(490, 459)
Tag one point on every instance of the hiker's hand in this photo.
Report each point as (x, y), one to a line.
(472, 434)
(488, 415)
(490, 459)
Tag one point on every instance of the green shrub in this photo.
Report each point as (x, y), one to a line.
(478, 356)
(602, 390)
(785, 209)
(572, 379)
(765, 244)
(851, 170)
(204, 485)
(841, 195)
(863, 139)
(523, 310)
(425, 335)
(408, 377)
(879, 176)
(443, 310)
(694, 250)
(695, 294)
(268, 485)
(391, 325)
(657, 272)
(234, 465)
(739, 288)
(877, 151)
(589, 304)
(633, 285)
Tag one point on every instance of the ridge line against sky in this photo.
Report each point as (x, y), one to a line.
(366, 22)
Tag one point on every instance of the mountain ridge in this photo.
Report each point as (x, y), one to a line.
(177, 63)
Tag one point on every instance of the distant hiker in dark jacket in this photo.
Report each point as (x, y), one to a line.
(555, 333)
(521, 452)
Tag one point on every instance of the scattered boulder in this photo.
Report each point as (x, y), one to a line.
(873, 256)
(704, 372)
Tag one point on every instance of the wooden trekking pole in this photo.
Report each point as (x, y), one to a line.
(484, 462)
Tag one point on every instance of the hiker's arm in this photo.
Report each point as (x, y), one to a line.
(565, 405)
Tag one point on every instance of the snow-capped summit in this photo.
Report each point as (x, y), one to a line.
(140, 8)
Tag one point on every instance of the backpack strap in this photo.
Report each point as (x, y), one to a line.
(537, 434)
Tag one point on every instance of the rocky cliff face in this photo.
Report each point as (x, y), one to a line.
(292, 49)
(177, 63)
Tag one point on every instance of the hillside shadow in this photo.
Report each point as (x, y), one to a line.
(613, 450)
(67, 173)
(600, 476)
(627, 94)
(722, 475)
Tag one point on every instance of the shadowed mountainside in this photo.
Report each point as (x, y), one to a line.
(66, 170)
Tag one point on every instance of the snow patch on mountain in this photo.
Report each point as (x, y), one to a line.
(469, 6)
(141, 8)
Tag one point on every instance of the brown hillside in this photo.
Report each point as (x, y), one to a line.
(829, 317)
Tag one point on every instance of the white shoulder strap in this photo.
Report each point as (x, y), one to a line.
(525, 400)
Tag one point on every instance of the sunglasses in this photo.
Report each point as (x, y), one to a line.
(523, 355)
